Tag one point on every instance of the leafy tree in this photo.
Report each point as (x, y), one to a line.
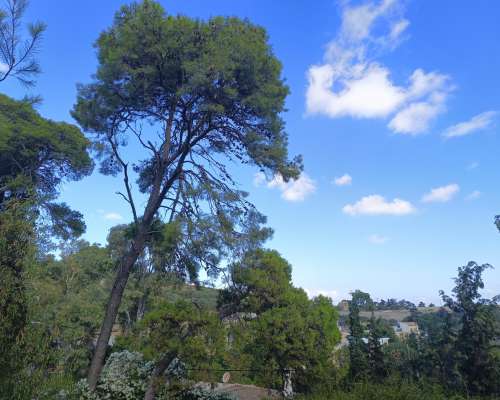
(70, 295)
(180, 331)
(177, 250)
(191, 94)
(447, 361)
(478, 364)
(16, 252)
(259, 282)
(299, 337)
(36, 156)
(283, 330)
(358, 365)
(376, 359)
(18, 57)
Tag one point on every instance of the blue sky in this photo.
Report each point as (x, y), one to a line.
(394, 106)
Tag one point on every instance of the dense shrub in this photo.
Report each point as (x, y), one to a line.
(124, 377)
(392, 389)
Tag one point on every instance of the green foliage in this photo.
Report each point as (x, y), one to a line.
(358, 351)
(221, 71)
(283, 329)
(36, 155)
(290, 338)
(26, 136)
(376, 359)
(214, 89)
(474, 352)
(193, 334)
(70, 294)
(16, 253)
(392, 389)
(260, 281)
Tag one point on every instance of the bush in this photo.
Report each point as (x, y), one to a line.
(389, 390)
(125, 376)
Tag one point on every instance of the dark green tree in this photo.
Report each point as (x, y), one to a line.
(191, 94)
(298, 337)
(447, 357)
(277, 328)
(70, 294)
(258, 282)
(474, 347)
(358, 360)
(376, 359)
(16, 253)
(183, 331)
(36, 156)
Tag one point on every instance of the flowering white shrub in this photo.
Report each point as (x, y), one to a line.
(124, 377)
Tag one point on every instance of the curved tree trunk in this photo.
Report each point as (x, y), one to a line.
(112, 310)
(158, 371)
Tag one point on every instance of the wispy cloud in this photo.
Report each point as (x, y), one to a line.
(350, 82)
(377, 239)
(112, 216)
(474, 195)
(477, 123)
(293, 190)
(441, 194)
(472, 165)
(259, 178)
(343, 180)
(378, 205)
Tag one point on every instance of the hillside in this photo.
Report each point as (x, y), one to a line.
(389, 315)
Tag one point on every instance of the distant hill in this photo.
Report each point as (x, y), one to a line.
(388, 315)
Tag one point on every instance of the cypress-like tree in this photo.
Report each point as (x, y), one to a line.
(375, 353)
(358, 360)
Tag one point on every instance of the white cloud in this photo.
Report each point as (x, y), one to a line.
(3, 67)
(112, 216)
(476, 123)
(343, 180)
(377, 239)
(370, 94)
(259, 178)
(472, 165)
(294, 190)
(351, 83)
(333, 294)
(377, 205)
(474, 195)
(398, 28)
(299, 189)
(441, 194)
